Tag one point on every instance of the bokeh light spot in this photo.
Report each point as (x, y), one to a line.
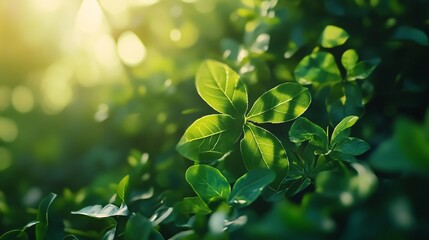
(22, 99)
(89, 19)
(161, 117)
(130, 49)
(56, 89)
(102, 113)
(8, 130)
(188, 35)
(175, 35)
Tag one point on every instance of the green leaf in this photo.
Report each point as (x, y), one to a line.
(43, 216)
(353, 146)
(342, 130)
(248, 187)
(333, 36)
(122, 190)
(18, 234)
(362, 69)
(411, 34)
(349, 59)
(283, 103)
(160, 215)
(110, 234)
(138, 227)
(344, 99)
(317, 68)
(221, 88)
(193, 205)
(304, 130)
(304, 166)
(208, 182)
(14, 235)
(97, 211)
(155, 235)
(413, 141)
(261, 149)
(30, 224)
(70, 237)
(186, 235)
(294, 186)
(344, 157)
(210, 138)
(407, 151)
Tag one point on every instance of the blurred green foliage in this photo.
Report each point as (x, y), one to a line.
(95, 95)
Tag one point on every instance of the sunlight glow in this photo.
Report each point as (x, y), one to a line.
(145, 2)
(114, 6)
(46, 5)
(175, 35)
(130, 49)
(105, 52)
(89, 19)
(56, 89)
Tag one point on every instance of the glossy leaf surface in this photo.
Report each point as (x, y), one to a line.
(221, 88)
(248, 187)
(138, 227)
(349, 59)
(362, 70)
(209, 138)
(208, 182)
(353, 146)
(333, 36)
(123, 187)
(342, 130)
(193, 205)
(261, 149)
(304, 130)
(317, 68)
(97, 211)
(43, 217)
(283, 103)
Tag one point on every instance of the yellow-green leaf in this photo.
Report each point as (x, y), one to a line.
(333, 36)
(283, 103)
(208, 182)
(210, 138)
(261, 149)
(221, 88)
(317, 68)
(123, 187)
